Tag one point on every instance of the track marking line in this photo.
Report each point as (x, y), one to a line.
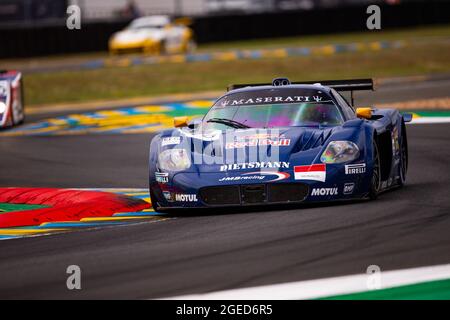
(123, 218)
(327, 287)
(426, 120)
(137, 214)
(76, 224)
(26, 231)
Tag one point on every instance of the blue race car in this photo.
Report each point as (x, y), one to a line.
(279, 143)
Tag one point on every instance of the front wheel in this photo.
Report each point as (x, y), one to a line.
(375, 184)
(17, 113)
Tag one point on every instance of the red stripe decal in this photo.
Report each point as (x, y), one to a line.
(313, 167)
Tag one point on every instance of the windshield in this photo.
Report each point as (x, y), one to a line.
(274, 107)
(151, 22)
(275, 115)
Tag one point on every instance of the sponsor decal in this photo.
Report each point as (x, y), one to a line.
(348, 188)
(270, 100)
(170, 141)
(357, 168)
(279, 175)
(241, 178)
(324, 192)
(258, 175)
(258, 142)
(253, 165)
(162, 177)
(261, 136)
(316, 172)
(181, 197)
(168, 195)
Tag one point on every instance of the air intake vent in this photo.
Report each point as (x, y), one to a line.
(254, 194)
(291, 192)
(221, 195)
(280, 82)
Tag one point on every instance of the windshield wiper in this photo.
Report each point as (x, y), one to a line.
(229, 122)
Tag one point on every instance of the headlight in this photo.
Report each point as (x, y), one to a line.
(174, 160)
(2, 107)
(340, 151)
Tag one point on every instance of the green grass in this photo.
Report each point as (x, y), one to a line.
(433, 290)
(419, 57)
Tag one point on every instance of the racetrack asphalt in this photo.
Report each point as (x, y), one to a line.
(404, 228)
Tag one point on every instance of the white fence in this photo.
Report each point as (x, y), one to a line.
(104, 9)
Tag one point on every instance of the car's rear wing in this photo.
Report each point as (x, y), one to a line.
(338, 85)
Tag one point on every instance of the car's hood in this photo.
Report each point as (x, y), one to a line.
(216, 151)
(137, 35)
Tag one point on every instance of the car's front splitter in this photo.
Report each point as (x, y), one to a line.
(188, 189)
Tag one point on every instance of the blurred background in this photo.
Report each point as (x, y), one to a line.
(217, 43)
(26, 10)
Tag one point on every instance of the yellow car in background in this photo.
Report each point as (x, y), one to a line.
(154, 35)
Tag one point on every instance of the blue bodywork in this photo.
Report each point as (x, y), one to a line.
(218, 185)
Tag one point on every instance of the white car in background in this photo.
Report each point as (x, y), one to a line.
(154, 35)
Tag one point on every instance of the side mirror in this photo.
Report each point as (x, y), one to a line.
(179, 122)
(365, 113)
(407, 117)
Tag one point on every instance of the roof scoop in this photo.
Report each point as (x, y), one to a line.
(277, 82)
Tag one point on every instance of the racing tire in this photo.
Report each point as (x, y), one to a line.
(375, 183)
(21, 112)
(14, 120)
(403, 165)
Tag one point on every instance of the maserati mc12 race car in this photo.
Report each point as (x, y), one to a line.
(279, 143)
